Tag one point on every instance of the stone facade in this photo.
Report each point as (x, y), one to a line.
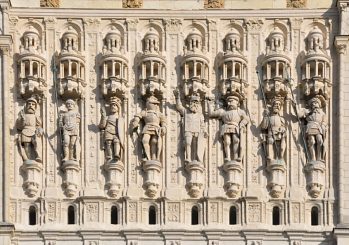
(175, 127)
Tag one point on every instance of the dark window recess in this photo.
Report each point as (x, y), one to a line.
(195, 216)
(114, 219)
(32, 215)
(314, 216)
(232, 216)
(152, 215)
(276, 216)
(71, 215)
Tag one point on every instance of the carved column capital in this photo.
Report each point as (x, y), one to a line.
(342, 5)
(341, 44)
(5, 44)
(172, 24)
(131, 24)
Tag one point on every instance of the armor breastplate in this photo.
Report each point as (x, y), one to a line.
(192, 122)
(69, 121)
(231, 117)
(152, 118)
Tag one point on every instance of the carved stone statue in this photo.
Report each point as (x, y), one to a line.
(153, 130)
(316, 128)
(234, 124)
(194, 128)
(274, 124)
(69, 122)
(29, 126)
(112, 127)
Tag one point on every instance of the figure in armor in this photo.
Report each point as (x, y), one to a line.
(234, 125)
(275, 128)
(69, 123)
(194, 128)
(316, 128)
(154, 128)
(29, 126)
(112, 130)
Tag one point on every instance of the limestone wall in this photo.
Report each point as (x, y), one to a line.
(46, 187)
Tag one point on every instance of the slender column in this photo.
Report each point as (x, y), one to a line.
(4, 57)
(341, 43)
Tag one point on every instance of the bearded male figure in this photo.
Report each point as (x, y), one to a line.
(234, 124)
(29, 126)
(316, 128)
(194, 128)
(275, 126)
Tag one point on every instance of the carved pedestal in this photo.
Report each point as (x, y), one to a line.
(114, 177)
(152, 177)
(195, 182)
(233, 179)
(71, 170)
(315, 171)
(32, 179)
(276, 178)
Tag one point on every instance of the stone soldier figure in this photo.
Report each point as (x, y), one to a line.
(234, 124)
(316, 128)
(153, 130)
(194, 128)
(70, 125)
(29, 126)
(275, 126)
(112, 127)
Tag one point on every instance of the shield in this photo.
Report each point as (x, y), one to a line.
(201, 147)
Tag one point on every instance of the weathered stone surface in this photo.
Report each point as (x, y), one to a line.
(126, 158)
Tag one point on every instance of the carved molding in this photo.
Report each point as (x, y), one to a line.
(132, 3)
(49, 3)
(296, 3)
(216, 4)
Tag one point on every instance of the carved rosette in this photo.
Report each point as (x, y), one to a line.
(113, 66)
(196, 178)
(31, 65)
(71, 171)
(152, 66)
(71, 67)
(233, 183)
(194, 66)
(152, 170)
(32, 170)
